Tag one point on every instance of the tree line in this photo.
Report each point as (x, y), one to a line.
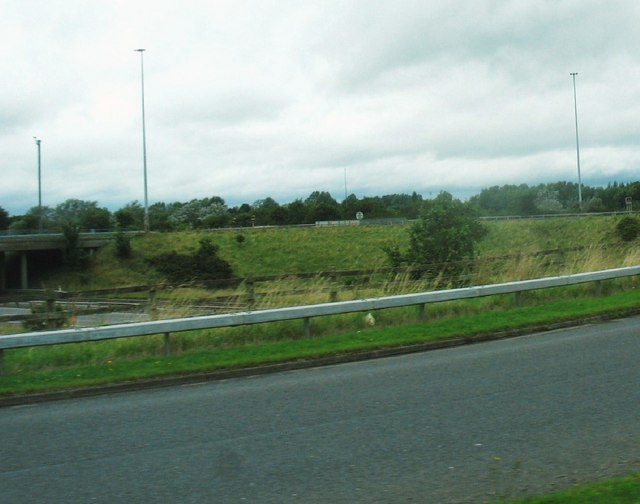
(213, 212)
(553, 198)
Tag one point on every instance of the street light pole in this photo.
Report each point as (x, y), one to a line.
(39, 174)
(144, 144)
(575, 107)
(345, 183)
(39, 184)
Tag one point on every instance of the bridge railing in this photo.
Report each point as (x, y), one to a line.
(304, 313)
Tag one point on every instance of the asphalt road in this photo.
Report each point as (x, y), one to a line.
(91, 320)
(466, 424)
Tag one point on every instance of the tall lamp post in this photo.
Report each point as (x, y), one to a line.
(144, 144)
(39, 184)
(345, 183)
(575, 108)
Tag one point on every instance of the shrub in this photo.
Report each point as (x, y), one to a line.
(203, 265)
(75, 257)
(442, 242)
(628, 229)
(123, 245)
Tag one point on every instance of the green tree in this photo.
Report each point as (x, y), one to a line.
(403, 205)
(319, 198)
(350, 207)
(506, 200)
(594, 205)
(373, 208)
(322, 207)
(547, 201)
(83, 215)
(36, 218)
(130, 216)
(443, 240)
(241, 216)
(296, 212)
(160, 214)
(4, 219)
(200, 213)
(268, 212)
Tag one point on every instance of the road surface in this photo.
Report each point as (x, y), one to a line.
(467, 424)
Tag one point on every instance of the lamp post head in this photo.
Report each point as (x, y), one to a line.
(139, 50)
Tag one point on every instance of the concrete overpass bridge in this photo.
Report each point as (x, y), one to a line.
(23, 244)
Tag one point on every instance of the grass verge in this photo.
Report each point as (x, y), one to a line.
(19, 378)
(624, 490)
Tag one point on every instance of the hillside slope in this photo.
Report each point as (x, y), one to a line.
(279, 251)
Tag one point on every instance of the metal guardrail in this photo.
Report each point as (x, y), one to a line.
(304, 313)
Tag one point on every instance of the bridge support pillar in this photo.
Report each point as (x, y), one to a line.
(24, 279)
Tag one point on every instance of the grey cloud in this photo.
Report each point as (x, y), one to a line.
(228, 108)
(521, 37)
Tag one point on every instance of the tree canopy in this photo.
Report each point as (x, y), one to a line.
(4, 219)
(442, 241)
(213, 212)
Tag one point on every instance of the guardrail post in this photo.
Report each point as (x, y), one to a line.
(598, 288)
(51, 317)
(333, 293)
(307, 330)
(518, 298)
(251, 294)
(166, 348)
(421, 312)
(152, 308)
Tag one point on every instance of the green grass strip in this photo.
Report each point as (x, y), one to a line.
(197, 361)
(615, 491)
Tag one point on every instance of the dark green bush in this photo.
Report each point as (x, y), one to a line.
(442, 242)
(203, 265)
(75, 257)
(123, 245)
(628, 228)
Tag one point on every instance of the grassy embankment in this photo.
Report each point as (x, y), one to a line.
(302, 250)
(616, 491)
(281, 251)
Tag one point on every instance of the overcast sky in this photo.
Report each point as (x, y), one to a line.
(253, 98)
